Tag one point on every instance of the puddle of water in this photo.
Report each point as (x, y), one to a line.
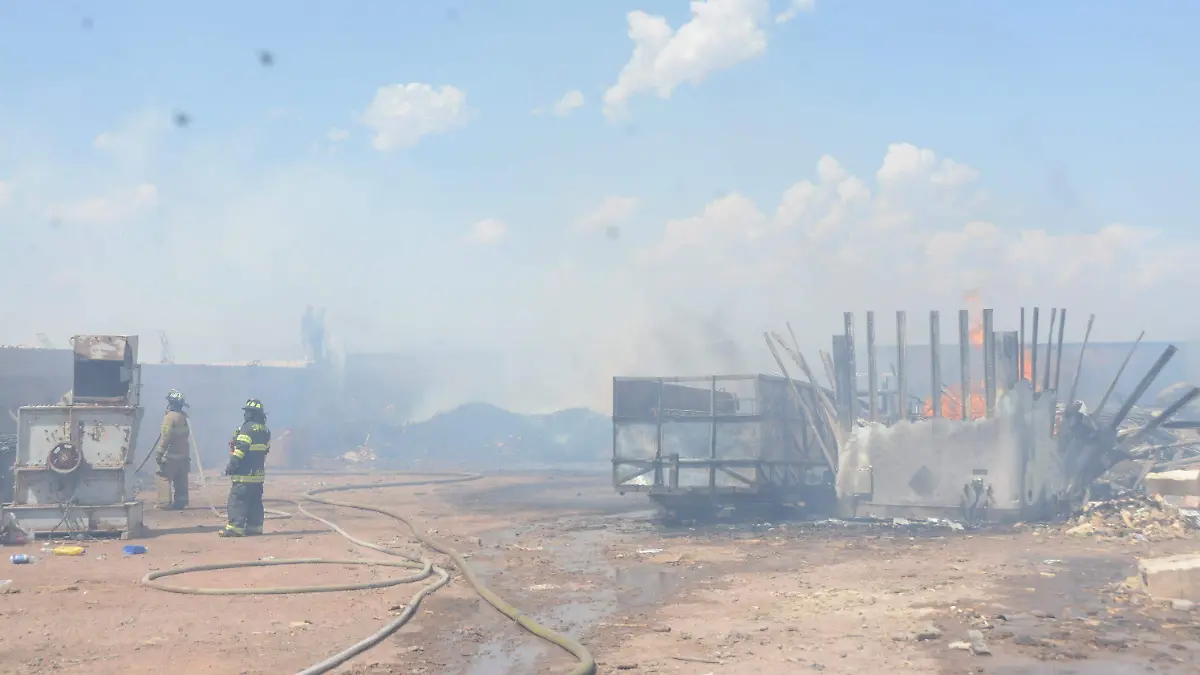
(575, 613)
(497, 657)
(648, 584)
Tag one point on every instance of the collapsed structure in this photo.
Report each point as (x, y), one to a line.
(1007, 445)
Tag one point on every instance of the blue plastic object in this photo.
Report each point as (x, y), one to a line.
(134, 549)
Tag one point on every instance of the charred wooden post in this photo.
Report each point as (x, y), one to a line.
(1062, 323)
(989, 362)
(964, 360)
(902, 365)
(1087, 334)
(1033, 346)
(1049, 350)
(1113, 385)
(935, 360)
(1142, 386)
(872, 370)
(852, 373)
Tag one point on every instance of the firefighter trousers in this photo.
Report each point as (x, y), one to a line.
(171, 480)
(245, 508)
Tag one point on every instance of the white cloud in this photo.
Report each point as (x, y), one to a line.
(113, 209)
(401, 114)
(921, 234)
(548, 323)
(337, 135)
(570, 101)
(795, 9)
(105, 140)
(486, 231)
(612, 211)
(720, 35)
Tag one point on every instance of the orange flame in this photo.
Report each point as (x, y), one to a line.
(952, 403)
(952, 397)
(977, 334)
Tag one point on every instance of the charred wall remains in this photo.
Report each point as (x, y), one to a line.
(983, 424)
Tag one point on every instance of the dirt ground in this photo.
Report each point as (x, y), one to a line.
(751, 598)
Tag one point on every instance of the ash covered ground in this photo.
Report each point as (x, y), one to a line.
(734, 598)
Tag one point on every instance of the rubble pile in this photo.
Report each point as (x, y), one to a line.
(1134, 516)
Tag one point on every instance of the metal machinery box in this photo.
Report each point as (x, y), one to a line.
(695, 445)
(74, 471)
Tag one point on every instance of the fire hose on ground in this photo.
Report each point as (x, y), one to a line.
(586, 664)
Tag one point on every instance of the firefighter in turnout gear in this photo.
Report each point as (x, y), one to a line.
(173, 457)
(247, 470)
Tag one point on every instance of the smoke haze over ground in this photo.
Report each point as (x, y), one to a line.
(674, 182)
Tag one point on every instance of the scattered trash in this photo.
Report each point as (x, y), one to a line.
(11, 532)
(979, 646)
(1134, 516)
(650, 551)
(133, 549)
(22, 559)
(68, 550)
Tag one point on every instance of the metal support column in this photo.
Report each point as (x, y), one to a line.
(1021, 348)
(1033, 346)
(964, 361)
(872, 370)
(1008, 359)
(935, 361)
(853, 368)
(902, 364)
(989, 362)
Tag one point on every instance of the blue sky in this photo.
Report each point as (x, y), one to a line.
(1074, 116)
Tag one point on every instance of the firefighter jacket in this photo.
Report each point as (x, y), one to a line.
(248, 453)
(173, 444)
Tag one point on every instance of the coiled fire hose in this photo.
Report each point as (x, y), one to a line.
(586, 664)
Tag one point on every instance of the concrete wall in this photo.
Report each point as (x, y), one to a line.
(215, 395)
(31, 377)
(922, 468)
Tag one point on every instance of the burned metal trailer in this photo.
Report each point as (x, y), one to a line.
(696, 445)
